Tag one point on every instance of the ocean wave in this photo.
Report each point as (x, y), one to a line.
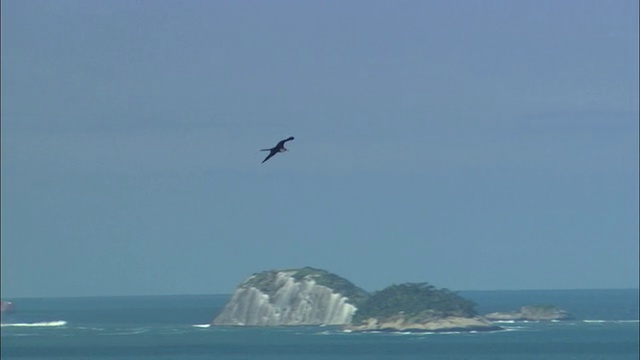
(515, 328)
(90, 328)
(326, 332)
(610, 321)
(202, 325)
(517, 321)
(132, 331)
(37, 324)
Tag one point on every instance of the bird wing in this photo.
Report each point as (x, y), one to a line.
(270, 155)
(281, 143)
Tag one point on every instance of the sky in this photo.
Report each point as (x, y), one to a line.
(474, 145)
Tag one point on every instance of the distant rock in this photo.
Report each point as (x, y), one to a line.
(418, 307)
(304, 296)
(541, 312)
(6, 306)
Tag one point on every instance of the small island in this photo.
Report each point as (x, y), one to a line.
(309, 296)
(6, 307)
(418, 307)
(540, 312)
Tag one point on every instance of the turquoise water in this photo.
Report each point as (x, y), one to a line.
(174, 327)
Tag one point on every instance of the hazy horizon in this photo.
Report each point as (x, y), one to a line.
(469, 144)
(230, 293)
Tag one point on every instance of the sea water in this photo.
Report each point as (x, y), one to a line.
(176, 327)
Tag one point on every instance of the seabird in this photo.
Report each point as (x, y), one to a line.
(276, 149)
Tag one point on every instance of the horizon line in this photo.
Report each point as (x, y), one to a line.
(229, 294)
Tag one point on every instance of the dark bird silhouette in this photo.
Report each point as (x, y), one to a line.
(276, 149)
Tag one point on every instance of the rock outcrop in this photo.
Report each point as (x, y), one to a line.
(6, 306)
(418, 307)
(531, 313)
(436, 324)
(292, 297)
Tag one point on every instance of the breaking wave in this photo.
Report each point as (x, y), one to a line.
(37, 324)
(610, 321)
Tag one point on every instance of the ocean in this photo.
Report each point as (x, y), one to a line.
(176, 327)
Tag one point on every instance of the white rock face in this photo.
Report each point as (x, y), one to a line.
(294, 302)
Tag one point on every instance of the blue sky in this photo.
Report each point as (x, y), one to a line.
(470, 144)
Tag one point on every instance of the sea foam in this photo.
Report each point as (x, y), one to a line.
(610, 321)
(37, 324)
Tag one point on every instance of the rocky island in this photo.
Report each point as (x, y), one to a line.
(309, 296)
(418, 307)
(304, 296)
(541, 312)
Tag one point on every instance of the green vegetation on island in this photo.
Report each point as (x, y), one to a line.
(340, 285)
(538, 312)
(414, 300)
(266, 283)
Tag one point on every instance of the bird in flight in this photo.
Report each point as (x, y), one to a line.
(276, 149)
